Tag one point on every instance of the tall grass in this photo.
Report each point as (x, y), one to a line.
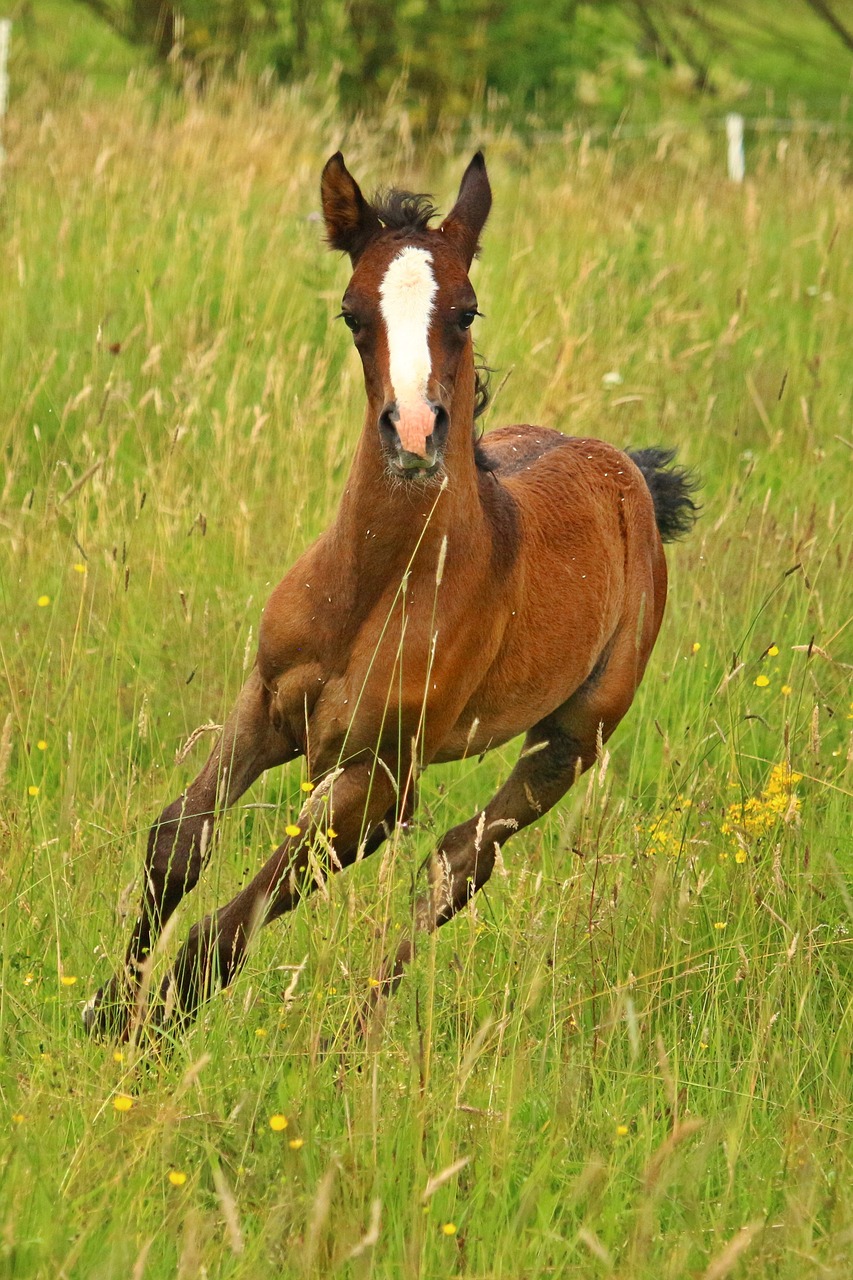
(631, 1057)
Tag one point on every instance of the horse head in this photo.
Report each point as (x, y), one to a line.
(410, 306)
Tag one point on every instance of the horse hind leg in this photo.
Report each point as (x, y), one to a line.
(556, 752)
(181, 840)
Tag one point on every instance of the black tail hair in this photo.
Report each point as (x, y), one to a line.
(671, 488)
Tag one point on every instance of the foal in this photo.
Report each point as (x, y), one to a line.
(466, 593)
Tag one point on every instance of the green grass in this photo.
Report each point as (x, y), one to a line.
(637, 1092)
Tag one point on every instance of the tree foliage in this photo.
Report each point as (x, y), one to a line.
(448, 53)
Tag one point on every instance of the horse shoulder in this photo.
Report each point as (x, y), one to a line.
(296, 630)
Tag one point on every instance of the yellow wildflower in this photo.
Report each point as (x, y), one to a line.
(18, 1117)
(79, 568)
(740, 856)
(122, 1102)
(118, 1056)
(278, 1123)
(41, 744)
(720, 924)
(773, 651)
(43, 601)
(695, 647)
(762, 681)
(32, 790)
(622, 1130)
(786, 692)
(332, 834)
(307, 786)
(260, 1033)
(296, 1143)
(757, 815)
(448, 1228)
(68, 979)
(177, 1177)
(292, 830)
(664, 835)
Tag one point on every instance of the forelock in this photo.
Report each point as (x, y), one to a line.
(404, 210)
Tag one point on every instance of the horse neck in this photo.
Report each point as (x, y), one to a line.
(383, 522)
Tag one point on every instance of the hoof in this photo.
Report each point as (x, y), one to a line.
(106, 1015)
(90, 1013)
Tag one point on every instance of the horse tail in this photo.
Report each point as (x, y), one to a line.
(671, 488)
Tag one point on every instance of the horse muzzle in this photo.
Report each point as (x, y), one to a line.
(414, 436)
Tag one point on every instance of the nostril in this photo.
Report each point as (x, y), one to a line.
(441, 425)
(388, 419)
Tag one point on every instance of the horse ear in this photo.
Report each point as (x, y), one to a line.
(350, 220)
(466, 219)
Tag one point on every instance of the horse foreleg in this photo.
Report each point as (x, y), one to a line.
(350, 813)
(180, 841)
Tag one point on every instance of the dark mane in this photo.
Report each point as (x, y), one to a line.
(482, 396)
(404, 210)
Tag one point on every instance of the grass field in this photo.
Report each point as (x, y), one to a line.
(632, 1059)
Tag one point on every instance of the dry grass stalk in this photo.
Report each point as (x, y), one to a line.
(722, 1265)
(228, 1205)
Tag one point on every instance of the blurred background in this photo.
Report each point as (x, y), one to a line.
(451, 61)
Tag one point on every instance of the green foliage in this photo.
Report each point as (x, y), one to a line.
(449, 59)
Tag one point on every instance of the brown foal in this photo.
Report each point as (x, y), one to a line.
(467, 592)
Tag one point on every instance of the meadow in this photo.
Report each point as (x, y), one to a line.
(631, 1057)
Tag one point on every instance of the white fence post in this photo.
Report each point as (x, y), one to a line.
(5, 38)
(734, 133)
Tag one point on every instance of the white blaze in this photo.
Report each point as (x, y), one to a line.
(407, 294)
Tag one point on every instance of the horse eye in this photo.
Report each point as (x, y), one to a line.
(350, 321)
(467, 318)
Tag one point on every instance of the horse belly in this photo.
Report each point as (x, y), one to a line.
(510, 701)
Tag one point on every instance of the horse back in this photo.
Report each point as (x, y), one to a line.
(573, 496)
